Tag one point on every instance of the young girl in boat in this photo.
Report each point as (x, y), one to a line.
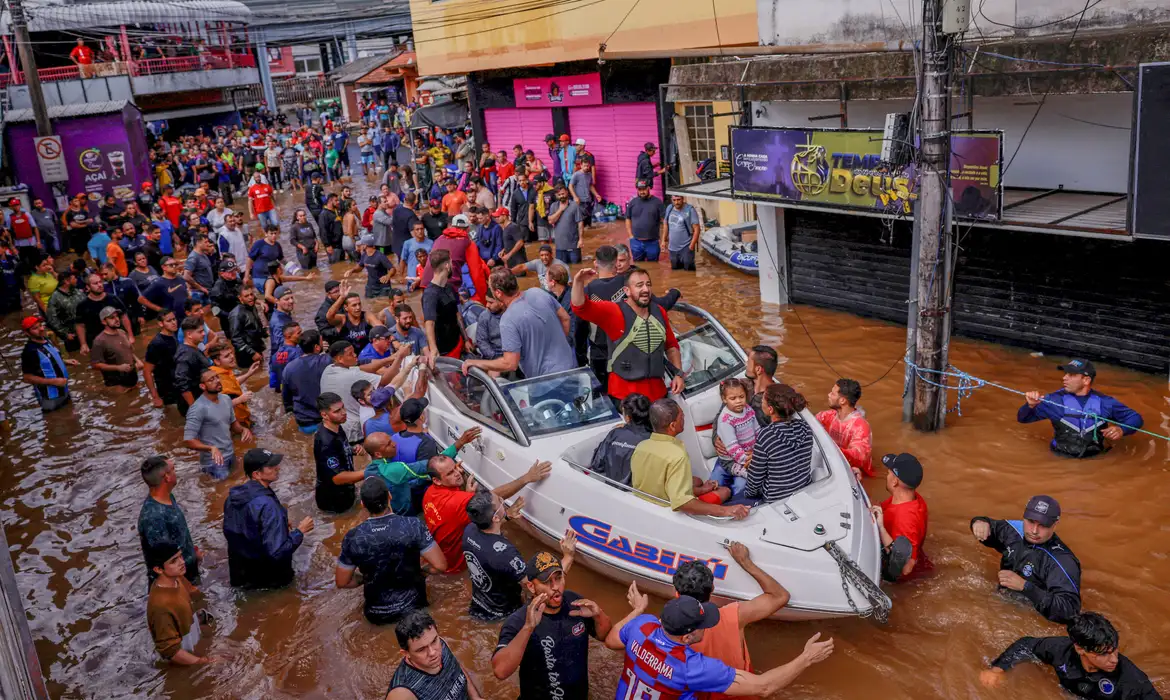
(736, 427)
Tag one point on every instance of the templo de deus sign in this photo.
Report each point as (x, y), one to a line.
(843, 168)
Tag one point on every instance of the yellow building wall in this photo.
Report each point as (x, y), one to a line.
(461, 36)
(729, 212)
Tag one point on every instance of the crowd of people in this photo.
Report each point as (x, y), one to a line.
(213, 289)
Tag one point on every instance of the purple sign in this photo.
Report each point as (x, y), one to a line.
(104, 153)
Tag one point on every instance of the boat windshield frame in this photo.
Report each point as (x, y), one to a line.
(606, 413)
(713, 327)
(523, 430)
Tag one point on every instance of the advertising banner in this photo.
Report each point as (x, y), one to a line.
(96, 170)
(843, 168)
(561, 91)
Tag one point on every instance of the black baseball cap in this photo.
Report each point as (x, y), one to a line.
(642, 185)
(906, 467)
(1079, 367)
(412, 410)
(379, 332)
(1043, 509)
(256, 459)
(331, 285)
(542, 566)
(684, 615)
(650, 146)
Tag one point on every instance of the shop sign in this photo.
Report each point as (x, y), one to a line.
(559, 91)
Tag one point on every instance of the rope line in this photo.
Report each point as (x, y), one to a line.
(966, 384)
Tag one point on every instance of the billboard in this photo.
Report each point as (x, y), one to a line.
(560, 91)
(842, 168)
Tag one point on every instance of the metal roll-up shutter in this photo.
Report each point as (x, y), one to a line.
(615, 134)
(1070, 297)
(852, 263)
(527, 127)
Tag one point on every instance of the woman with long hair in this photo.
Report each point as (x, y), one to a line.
(613, 453)
(781, 461)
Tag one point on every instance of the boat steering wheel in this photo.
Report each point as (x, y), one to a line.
(555, 406)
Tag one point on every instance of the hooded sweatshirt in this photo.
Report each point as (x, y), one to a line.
(463, 250)
(260, 544)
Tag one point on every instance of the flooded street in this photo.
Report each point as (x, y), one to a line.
(70, 493)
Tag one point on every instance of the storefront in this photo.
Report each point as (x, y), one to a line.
(104, 148)
(613, 107)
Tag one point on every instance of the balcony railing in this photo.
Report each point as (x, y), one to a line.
(212, 60)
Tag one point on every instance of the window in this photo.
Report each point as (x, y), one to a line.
(473, 398)
(700, 131)
(308, 65)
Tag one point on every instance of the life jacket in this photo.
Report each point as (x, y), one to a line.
(1078, 433)
(640, 352)
(21, 226)
(407, 444)
(463, 251)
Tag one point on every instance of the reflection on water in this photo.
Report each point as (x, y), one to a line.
(70, 494)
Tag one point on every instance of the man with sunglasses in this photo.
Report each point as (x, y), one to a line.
(167, 293)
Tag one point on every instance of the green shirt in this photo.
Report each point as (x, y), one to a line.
(400, 477)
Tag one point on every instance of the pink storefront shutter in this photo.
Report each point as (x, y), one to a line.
(616, 134)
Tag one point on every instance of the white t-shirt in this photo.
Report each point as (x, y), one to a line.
(338, 380)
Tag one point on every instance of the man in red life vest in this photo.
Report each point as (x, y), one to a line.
(25, 235)
(455, 239)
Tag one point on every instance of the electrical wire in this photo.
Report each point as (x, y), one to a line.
(1047, 92)
(619, 25)
(1080, 18)
(715, 16)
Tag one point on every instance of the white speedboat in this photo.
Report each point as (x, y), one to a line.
(727, 244)
(820, 543)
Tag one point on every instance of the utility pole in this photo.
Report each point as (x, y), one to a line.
(933, 222)
(28, 64)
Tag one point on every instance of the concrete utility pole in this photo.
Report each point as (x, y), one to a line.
(28, 64)
(933, 221)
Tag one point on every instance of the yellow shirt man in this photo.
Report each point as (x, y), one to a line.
(660, 467)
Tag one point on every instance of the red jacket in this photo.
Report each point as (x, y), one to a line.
(368, 217)
(463, 250)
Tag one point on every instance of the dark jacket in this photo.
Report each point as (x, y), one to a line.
(521, 200)
(329, 228)
(260, 545)
(1126, 682)
(225, 295)
(613, 453)
(247, 334)
(1051, 571)
(314, 196)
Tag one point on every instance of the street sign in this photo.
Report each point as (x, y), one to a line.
(51, 158)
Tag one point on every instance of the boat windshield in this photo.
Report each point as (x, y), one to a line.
(707, 356)
(559, 402)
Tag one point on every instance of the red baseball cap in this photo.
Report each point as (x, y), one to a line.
(147, 185)
(565, 138)
(500, 211)
(13, 201)
(30, 321)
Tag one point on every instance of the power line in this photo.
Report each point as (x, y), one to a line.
(619, 25)
(715, 16)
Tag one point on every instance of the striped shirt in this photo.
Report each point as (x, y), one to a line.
(781, 460)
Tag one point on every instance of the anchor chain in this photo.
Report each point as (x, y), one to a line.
(850, 573)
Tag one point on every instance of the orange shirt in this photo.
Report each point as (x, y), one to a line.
(445, 511)
(453, 202)
(725, 642)
(117, 257)
(232, 388)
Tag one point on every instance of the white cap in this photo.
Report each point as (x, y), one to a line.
(460, 221)
(580, 142)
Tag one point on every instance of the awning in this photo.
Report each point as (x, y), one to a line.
(1087, 214)
(448, 115)
(70, 111)
(356, 70)
(56, 16)
(187, 112)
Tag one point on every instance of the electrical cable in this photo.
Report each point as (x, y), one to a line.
(715, 16)
(619, 25)
(1047, 92)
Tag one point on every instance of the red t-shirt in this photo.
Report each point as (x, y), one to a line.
(505, 170)
(445, 512)
(909, 520)
(607, 315)
(261, 196)
(82, 54)
(173, 208)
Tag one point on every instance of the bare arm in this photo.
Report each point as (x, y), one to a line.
(331, 316)
(538, 472)
(345, 577)
(564, 317)
(764, 684)
(766, 604)
(507, 362)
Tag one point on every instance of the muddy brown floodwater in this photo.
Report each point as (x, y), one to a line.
(70, 495)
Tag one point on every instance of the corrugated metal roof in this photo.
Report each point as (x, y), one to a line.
(55, 15)
(85, 109)
(355, 70)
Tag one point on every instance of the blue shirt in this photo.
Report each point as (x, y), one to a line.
(490, 241)
(653, 666)
(410, 247)
(262, 253)
(386, 549)
(301, 385)
(369, 354)
(166, 243)
(97, 246)
(1111, 408)
(416, 336)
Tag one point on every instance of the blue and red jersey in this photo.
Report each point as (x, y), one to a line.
(658, 668)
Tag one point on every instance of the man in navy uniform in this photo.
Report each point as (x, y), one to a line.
(1076, 412)
(1034, 561)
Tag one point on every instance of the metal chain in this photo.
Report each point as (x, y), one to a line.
(850, 573)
